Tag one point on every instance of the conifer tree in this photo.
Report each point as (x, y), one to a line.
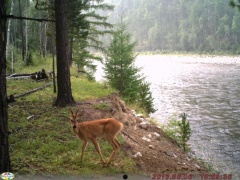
(121, 72)
(86, 25)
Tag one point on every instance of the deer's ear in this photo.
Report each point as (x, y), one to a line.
(78, 114)
(71, 113)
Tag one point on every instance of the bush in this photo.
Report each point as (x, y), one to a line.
(179, 130)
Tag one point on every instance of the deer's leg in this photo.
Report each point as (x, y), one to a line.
(115, 144)
(98, 149)
(85, 143)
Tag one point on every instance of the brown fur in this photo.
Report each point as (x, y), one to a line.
(91, 130)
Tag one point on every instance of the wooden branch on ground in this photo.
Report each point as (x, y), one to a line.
(130, 137)
(18, 77)
(34, 90)
(40, 75)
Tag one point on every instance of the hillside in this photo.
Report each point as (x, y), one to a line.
(186, 25)
(159, 154)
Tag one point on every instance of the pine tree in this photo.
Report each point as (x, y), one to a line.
(146, 98)
(121, 72)
(86, 25)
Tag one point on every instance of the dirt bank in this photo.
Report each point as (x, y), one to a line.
(147, 144)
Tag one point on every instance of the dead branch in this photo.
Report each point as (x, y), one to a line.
(130, 137)
(34, 90)
(18, 77)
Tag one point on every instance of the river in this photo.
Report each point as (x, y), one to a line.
(207, 89)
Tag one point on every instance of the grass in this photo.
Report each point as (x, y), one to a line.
(42, 141)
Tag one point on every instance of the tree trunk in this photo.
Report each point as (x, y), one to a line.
(45, 39)
(53, 59)
(26, 30)
(21, 23)
(64, 94)
(70, 58)
(40, 33)
(8, 31)
(4, 146)
(12, 62)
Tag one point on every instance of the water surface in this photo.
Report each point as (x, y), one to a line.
(207, 89)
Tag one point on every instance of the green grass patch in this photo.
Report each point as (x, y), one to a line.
(84, 89)
(42, 140)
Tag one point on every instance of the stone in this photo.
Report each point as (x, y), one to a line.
(146, 139)
(148, 119)
(151, 147)
(134, 112)
(197, 166)
(143, 125)
(138, 154)
(140, 115)
(142, 119)
(135, 128)
(156, 135)
(170, 153)
(149, 136)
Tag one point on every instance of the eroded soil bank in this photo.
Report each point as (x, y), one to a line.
(147, 144)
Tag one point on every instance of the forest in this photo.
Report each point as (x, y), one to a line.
(200, 26)
(34, 33)
(204, 26)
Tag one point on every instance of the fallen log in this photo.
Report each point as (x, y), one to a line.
(37, 75)
(33, 90)
(18, 77)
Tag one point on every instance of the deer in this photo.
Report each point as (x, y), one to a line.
(91, 130)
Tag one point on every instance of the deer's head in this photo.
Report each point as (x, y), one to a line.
(74, 118)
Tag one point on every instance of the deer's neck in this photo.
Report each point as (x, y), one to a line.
(78, 132)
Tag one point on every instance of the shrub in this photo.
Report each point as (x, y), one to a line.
(179, 130)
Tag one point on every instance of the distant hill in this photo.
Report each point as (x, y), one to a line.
(181, 25)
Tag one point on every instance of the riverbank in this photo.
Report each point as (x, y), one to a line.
(206, 89)
(43, 144)
(146, 143)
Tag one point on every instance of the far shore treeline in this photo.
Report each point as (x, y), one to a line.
(199, 26)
